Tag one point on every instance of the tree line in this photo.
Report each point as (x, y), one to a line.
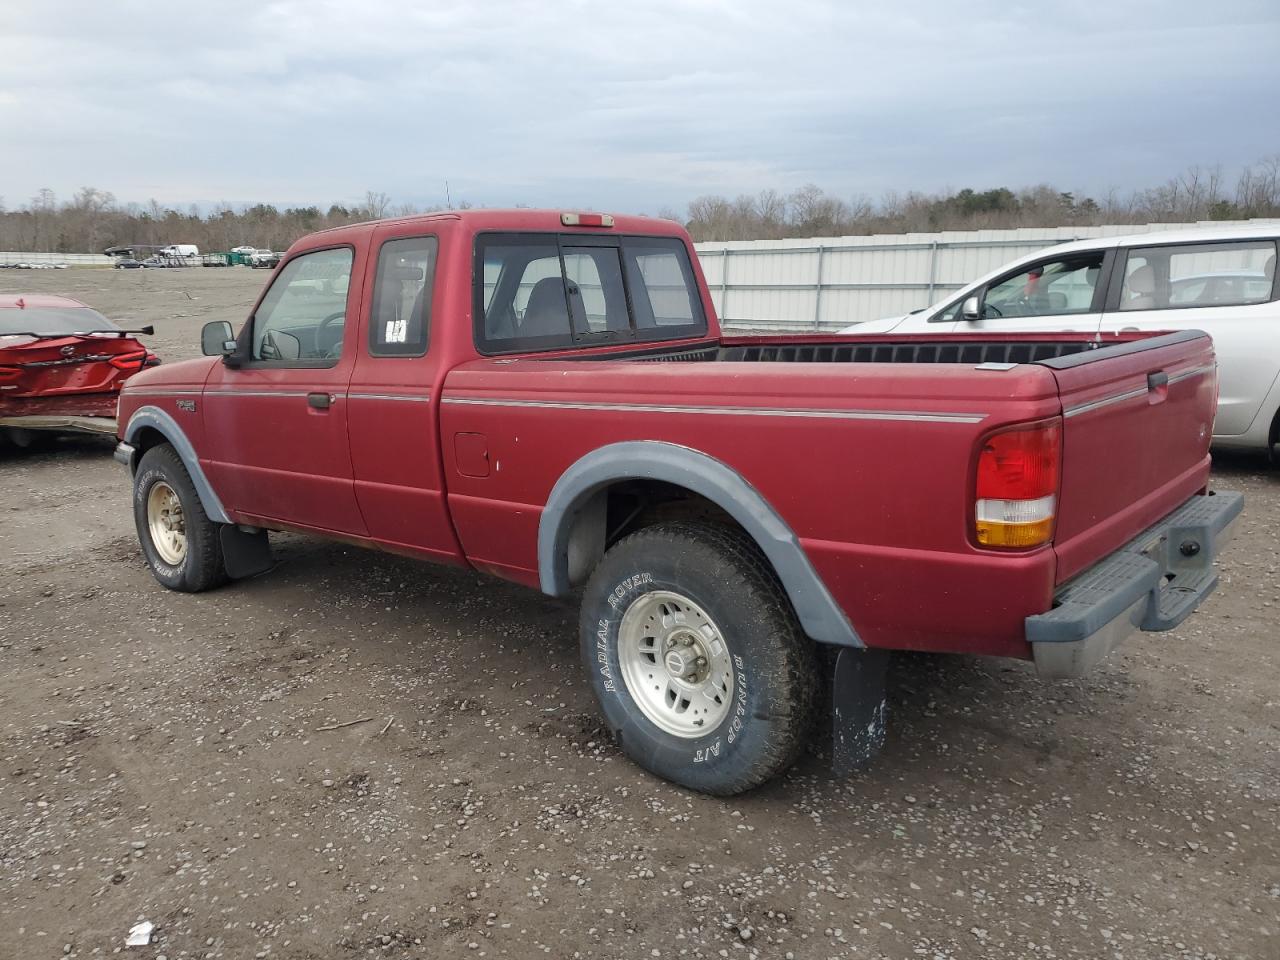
(1197, 194)
(93, 220)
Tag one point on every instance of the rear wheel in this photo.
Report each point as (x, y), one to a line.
(178, 539)
(696, 657)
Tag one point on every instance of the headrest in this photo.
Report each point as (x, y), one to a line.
(1142, 281)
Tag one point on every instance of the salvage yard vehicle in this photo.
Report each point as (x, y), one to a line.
(548, 398)
(1220, 280)
(61, 366)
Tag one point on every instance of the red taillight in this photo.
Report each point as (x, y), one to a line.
(1017, 486)
(129, 361)
(586, 219)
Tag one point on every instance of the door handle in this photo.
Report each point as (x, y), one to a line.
(1157, 387)
(319, 401)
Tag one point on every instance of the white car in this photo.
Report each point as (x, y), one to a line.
(1220, 281)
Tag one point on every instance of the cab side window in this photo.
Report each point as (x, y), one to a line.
(1049, 288)
(1199, 275)
(303, 316)
(402, 287)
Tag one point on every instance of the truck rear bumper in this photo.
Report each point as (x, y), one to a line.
(1152, 583)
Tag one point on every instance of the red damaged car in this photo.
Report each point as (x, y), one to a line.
(61, 366)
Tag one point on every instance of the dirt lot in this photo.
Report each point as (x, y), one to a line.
(161, 760)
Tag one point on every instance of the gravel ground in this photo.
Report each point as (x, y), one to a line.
(162, 759)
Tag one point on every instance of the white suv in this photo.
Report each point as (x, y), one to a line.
(1219, 281)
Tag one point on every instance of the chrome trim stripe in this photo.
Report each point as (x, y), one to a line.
(291, 394)
(895, 415)
(1193, 372)
(1133, 394)
(1104, 402)
(157, 392)
(407, 398)
(404, 397)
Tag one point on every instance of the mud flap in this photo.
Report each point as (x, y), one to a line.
(858, 708)
(245, 553)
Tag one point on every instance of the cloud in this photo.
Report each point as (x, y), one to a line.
(623, 105)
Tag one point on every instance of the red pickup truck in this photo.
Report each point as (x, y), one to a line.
(547, 397)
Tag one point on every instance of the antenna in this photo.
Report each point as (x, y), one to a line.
(447, 198)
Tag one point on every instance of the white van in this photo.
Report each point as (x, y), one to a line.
(180, 250)
(1219, 281)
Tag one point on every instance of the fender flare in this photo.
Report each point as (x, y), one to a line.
(158, 420)
(819, 614)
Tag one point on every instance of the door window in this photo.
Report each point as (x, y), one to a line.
(301, 318)
(1198, 275)
(1046, 289)
(402, 290)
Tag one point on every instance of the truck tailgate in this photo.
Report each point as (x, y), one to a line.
(1137, 421)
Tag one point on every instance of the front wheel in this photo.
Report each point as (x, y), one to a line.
(701, 669)
(178, 539)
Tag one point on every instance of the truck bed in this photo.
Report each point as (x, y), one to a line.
(866, 449)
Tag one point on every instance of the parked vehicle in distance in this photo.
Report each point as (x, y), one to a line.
(127, 263)
(1222, 281)
(61, 366)
(187, 250)
(264, 259)
(548, 398)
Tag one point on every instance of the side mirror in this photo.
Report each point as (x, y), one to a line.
(217, 339)
(971, 309)
(279, 345)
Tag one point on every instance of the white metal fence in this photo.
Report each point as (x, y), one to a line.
(13, 258)
(825, 283)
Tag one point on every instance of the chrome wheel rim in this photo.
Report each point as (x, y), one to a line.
(166, 524)
(676, 664)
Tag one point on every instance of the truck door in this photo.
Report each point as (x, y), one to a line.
(393, 398)
(277, 424)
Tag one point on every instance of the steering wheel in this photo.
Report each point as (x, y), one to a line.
(988, 305)
(336, 350)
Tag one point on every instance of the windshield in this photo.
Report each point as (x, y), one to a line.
(53, 320)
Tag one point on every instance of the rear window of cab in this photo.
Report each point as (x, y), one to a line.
(545, 291)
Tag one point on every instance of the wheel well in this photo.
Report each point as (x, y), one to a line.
(625, 507)
(147, 438)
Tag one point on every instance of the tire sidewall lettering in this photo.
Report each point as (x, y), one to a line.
(141, 489)
(717, 744)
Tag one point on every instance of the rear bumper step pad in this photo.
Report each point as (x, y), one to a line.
(1151, 583)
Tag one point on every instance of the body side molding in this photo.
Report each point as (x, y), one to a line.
(821, 617)
(158, 420)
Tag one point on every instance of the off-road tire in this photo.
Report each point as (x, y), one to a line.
(201, 568)
(775, 673)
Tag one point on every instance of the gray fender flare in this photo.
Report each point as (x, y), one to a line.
(821, 617)
(157, 419)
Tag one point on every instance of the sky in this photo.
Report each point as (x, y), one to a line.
(625, 105)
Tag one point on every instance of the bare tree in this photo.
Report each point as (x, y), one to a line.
(376, 205)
